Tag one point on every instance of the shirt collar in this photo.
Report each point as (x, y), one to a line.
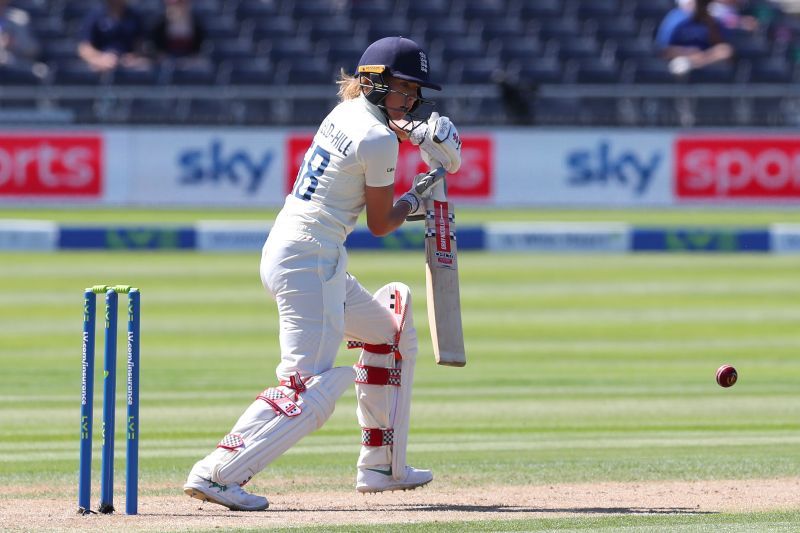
(373, 109)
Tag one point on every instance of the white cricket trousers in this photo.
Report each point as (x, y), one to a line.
(319, 303)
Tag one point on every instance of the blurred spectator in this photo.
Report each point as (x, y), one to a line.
(18, 46)
(682, 11)
(113, 36)
(728, 12)
(697, 41)
(179, 33)
(515, 97)
(779, 26)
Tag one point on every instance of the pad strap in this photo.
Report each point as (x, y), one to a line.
(282, 404)
(377, 437)
(279, 401)
(378, 349)
(231, 441)
(376, 375)
(294, 382)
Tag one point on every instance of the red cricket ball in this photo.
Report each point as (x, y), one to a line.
(726, 376)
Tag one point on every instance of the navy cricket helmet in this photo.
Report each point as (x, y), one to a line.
(398, 57)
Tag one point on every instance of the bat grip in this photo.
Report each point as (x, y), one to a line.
(439, 192)
(437, 173)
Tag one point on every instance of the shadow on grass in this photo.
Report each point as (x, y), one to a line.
(516, 509)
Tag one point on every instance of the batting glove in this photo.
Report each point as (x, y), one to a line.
(438, 141)
(421, 188)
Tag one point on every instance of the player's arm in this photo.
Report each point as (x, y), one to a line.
(384, 216)
(387, 217)
(377, 153)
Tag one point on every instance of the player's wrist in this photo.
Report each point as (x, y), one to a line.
(411, 200)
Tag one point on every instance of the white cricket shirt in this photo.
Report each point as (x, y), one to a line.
(353, 147)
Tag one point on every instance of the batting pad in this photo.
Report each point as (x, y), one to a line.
(260, 435)
(385, 376)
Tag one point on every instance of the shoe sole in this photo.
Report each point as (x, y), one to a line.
(369, 490)
(200, 495)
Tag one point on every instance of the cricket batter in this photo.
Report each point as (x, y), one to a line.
(350, 164)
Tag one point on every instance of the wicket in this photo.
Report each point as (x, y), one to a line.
(109, 398)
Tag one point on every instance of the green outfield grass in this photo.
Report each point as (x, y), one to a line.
(778, 522)
(581, 369)
(740, 216)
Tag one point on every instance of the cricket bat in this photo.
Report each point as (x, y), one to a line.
(441, 279)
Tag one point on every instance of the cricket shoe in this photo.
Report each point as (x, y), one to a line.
(379, 479)
(231, 496)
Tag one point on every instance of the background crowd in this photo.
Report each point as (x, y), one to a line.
(514, 46)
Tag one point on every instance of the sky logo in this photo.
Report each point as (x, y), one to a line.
(603, 166)
(217, 166)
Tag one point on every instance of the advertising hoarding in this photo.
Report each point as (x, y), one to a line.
(228, 167)
(43, 165)
(594, 168)
(736, 167)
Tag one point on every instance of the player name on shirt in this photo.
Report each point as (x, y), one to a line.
(339, 141)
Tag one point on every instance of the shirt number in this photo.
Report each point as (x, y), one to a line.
(308, 176)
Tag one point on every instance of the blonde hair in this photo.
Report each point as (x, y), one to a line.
(349, 86)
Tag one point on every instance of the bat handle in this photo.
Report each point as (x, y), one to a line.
(439, 191)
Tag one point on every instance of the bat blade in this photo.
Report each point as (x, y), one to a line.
(441, 279)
